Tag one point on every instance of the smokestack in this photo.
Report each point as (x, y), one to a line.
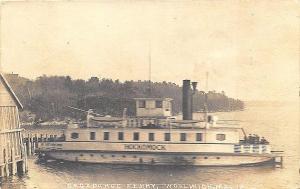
(187, 113)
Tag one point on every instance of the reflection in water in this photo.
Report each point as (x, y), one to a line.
(277, 122)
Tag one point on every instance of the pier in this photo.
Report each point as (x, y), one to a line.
(33, 135)
(13, 156)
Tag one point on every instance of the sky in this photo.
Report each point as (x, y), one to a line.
(249, 48)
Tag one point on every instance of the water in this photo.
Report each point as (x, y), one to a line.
(278, 122)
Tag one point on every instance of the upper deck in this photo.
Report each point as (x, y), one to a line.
(163, 135)
(196, 140)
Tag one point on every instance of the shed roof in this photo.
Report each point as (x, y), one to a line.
(11, 92)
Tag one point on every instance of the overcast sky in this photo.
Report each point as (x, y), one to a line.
(249, 48)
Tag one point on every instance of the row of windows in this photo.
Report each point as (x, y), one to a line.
(158, 104)
(124, 156)
(151, 136)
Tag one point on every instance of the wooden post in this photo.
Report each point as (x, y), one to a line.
(25, 165)
(13, 162)
(6, 168)
(28, 146)
(1, 163)
(32, 144)
(1, 171)
(36, 140)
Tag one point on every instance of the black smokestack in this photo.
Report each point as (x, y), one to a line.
(187, 113)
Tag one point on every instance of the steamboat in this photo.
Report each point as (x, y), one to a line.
(154, 137)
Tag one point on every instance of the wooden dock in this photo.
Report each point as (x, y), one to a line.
(13, 156)
(33, 135)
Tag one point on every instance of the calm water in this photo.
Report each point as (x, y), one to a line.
(278, 122)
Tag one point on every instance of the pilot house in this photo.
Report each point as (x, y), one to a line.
(153, 107)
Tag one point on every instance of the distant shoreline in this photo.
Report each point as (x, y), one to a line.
(47, 98)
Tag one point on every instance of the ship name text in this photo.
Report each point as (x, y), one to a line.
(144, 147)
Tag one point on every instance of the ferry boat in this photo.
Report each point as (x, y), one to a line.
(154, 137)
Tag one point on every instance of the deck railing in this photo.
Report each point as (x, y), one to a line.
(252, 148)
(142, 122)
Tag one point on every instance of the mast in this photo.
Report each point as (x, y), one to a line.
(205, 101)
(149, 62)
(149, 71)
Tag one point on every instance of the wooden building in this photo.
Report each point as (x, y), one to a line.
(12, 151)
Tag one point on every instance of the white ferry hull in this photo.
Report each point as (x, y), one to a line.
(201, 159)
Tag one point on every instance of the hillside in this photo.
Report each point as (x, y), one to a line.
(48, 96)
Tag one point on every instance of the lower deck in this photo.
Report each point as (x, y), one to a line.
(200, 154)
(200, 159)
(156, 148)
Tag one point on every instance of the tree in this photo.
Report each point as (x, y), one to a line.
(48, 96)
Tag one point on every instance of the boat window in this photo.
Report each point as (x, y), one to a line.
(106, 136)
(92, 136)
(220, 137)
(142, 104)
(167, 136)
(136, 136)
(158, 104)
(74, 135)
(121, 136)
(198, 136)
(182, 136)
(151, 136)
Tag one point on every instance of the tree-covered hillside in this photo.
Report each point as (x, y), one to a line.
(48, 96)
